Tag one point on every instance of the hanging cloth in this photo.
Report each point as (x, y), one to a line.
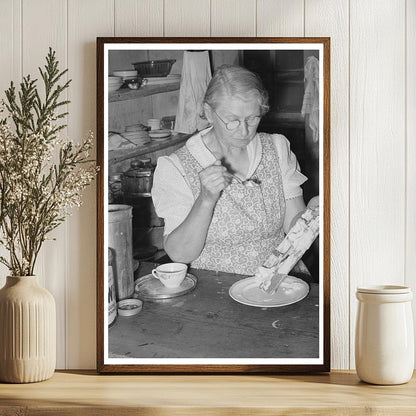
(196, 74)
(311, 97)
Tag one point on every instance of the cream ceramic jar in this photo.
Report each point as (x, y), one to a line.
(384, 338)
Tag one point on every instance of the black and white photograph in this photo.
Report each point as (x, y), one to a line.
(213, 214)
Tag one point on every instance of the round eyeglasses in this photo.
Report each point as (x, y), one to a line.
(232, 125)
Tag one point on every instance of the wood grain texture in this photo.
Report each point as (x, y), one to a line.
(330, 18)
(138, 17)
(187, 18)
(410, 262)
(86, 20)
(207, 323)
(280, 18)
(85, 393)
(233, 18)
(37, 38)
(377, 152)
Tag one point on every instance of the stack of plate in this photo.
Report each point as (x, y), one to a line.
(161, 134)
(170, 79)
(114, 83)
(126, 75)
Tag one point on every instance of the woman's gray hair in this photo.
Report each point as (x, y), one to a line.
(232, 80)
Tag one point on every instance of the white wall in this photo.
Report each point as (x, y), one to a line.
(373, 132)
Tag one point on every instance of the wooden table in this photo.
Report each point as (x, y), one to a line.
(208, 323)
(85, 393)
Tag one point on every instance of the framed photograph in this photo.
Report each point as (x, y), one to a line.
(213, 251)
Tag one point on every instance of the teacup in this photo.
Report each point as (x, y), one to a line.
(154, 123)
(170, 274)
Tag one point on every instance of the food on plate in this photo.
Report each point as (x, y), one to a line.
(271, 284)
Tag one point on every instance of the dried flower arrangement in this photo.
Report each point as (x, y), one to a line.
(41, 175)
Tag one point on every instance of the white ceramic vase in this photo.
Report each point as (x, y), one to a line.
(384, 340)
(27, 331)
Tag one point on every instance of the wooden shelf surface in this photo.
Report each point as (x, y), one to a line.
(117, 156)
(144, 91)
(86, 393)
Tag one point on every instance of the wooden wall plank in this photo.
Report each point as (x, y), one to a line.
(377, 153)
(138, 17)
(10, 44)
(187, 18)
(44, 24)
(331, 18)
(280, 18)
(411, 151)
(233, 18)
(10, 67)
(86, 20)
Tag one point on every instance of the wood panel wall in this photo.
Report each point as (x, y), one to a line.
(373, 132)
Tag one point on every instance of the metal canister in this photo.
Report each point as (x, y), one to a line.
(138, 180)
(120, 240)
(115, 194)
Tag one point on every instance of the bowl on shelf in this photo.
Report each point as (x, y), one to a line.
(114, 83)
(158, 68)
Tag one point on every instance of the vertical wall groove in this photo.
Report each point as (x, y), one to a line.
(405, 142)
(410, 80)
(304, 17)
(21, 39)
(67, 251)
(349, 185)
(210, 17)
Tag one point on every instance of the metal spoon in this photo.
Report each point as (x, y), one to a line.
(249, 182)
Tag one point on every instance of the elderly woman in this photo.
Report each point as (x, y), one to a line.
(230, 194)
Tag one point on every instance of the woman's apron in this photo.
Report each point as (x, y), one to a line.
(247, 222)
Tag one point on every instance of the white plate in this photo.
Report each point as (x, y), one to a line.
(159, 134)
(123, 74)
(247, 292)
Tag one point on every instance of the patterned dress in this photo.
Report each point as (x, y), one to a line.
(247, 222)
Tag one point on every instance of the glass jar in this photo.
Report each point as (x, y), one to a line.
(384, 339)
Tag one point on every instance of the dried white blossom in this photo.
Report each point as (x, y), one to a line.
(42, 176)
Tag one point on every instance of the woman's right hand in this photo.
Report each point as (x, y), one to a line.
(214, 179)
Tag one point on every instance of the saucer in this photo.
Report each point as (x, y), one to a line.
(149, 288)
